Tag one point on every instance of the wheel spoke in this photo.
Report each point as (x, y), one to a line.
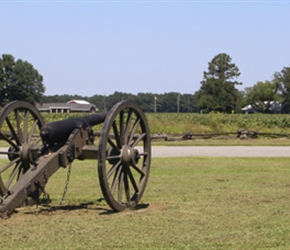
(126, 186)
(36, 141)
(24, 167)
(122, 127)
(139, 138)
(3, 136)
(116, 180)
(14, 135)
(138, 170)
(133, 182)
(113, 157)
(32, 131)
(9, 153)
(112, 170)
(136, 124)
(18, 124)
(117, 135)
(120, 187)
(127, 129)
(25, 129)
(13, 174)
(9, 165)
(19, 173)
(113, 145)
(143, 154)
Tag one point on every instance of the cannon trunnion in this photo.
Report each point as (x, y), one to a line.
(34, 151)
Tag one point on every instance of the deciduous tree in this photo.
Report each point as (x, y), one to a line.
(262, 95)
(19, 81)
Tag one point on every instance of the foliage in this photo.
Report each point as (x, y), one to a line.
(167, 102)
(217, 91)
(282, 79)
(146, 101)
(262, 95)
(173, 123)
(217, 123)
(19, 81)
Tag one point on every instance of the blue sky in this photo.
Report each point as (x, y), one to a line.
(99, 47)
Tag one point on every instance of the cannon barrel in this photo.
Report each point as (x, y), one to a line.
(60, 130)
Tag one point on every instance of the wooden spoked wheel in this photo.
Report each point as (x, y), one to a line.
(20, 125)
(124, 156)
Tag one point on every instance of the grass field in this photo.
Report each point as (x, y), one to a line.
(189, 203)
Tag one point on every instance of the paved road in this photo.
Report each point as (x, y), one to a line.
(217, 151)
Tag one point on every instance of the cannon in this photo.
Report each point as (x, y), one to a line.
(34, 151)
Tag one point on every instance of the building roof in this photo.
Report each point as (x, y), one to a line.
(78, 101)
(68, 107)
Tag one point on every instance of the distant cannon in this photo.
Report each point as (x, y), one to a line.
(35, 151)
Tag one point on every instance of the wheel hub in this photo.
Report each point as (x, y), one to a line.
(25, 153)
(129, 155)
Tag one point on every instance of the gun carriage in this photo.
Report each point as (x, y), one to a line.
(35, 151)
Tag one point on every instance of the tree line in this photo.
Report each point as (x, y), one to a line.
(149, 102)
(218, 92)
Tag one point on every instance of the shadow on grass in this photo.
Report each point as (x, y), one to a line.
(46, 208)
(110, 211)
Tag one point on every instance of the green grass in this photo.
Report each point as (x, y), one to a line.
(173, 123)
(189, 203)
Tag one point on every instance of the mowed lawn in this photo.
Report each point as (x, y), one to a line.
(189, 203)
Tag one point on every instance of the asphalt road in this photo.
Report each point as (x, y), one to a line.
(217, 151)
(221, 151)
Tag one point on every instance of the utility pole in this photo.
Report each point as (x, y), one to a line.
(178, 102)
(155, 107)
